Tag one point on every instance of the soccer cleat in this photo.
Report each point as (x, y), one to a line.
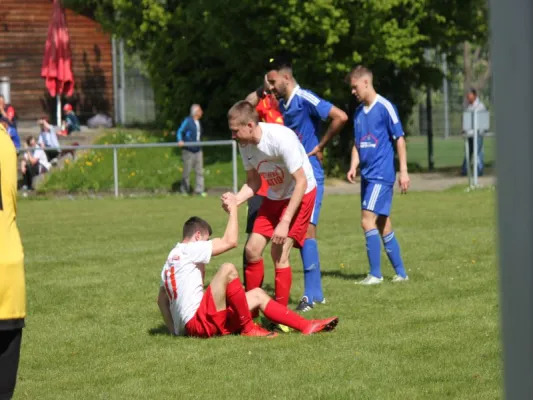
(304, 305)
(398, 278)
(321, 325)
(258, 331)
(320, 302)
(370, 280)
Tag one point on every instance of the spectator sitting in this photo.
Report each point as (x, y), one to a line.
(48, 138)
(12, 131)
(71, 122)
(34, 163)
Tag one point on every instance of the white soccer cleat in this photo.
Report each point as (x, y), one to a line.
(398, 278)
(370, 280)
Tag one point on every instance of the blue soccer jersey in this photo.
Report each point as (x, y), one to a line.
(375, 128)
(303, 113)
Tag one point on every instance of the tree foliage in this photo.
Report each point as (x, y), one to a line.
(213, 51)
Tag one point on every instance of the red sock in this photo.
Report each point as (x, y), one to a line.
(237, 299)
(253, 274)
(253, 278)
(283, 285)
(282, 315)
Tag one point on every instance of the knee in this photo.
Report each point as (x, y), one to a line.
(252, 252)
(259, 295)
(311, 232)
(368, 223)
(280, 257)
(229, 270)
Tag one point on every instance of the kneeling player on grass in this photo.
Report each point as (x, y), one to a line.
(224, 308)
(273, 152)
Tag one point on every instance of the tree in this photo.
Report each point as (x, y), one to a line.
(213, 51)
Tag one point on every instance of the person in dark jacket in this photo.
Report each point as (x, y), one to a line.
(191, 131)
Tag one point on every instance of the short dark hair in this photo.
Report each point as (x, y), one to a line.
(195, 224)
(473, 91)
(279, 62)
(29, 139)
(244, 112)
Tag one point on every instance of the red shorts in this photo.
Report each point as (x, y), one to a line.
(208, 322)
(271, 211)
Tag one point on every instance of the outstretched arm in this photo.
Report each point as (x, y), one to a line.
(231, 234)
(164, 307)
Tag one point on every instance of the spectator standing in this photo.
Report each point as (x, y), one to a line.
(8, 111)
(474, 104)
(191, 131)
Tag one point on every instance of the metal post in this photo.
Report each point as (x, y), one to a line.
(115, 170)
(115, 80)
(122, 89)
(5, 88)
(512, 22)
(234, 162)
(446, 100)
(429, 110)
(475, 149)
(467, 159)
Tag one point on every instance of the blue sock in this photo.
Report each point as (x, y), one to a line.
(373, 251)
(312, 276)
(393, 252)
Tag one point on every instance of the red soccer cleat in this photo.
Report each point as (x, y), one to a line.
(321, 325)
(259, 331)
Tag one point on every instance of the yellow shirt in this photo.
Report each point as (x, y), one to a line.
(12, 281)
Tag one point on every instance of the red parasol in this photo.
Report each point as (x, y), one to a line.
(57, 61)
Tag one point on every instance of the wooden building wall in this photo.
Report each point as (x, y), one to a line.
(23, 32)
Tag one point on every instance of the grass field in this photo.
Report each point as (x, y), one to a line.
(93, 329)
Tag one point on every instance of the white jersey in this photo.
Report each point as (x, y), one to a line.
(182, 278)
(276, 157)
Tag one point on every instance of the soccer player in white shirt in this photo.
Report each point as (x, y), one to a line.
(274, 152)
(224, 308)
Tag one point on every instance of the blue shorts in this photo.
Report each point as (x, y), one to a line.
(376, 197)
(318, 203)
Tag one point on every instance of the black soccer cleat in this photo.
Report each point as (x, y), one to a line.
(304, 305)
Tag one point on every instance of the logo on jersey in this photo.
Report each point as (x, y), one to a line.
(369, 141)
(271, 173)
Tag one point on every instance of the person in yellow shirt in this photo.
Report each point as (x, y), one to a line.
(12, 280)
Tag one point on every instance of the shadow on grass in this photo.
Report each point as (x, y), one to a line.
(161, 330)
(451, 171)
(341, 275)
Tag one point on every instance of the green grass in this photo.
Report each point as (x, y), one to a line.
(92, 277)
(448, 153)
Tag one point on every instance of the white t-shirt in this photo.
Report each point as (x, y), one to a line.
(183, 279)
(276, 157)
(44, 165)
(198, 130)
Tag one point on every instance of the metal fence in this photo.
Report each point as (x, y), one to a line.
(116, 147)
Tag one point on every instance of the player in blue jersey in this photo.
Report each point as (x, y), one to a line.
(303, 112)
(377, 128)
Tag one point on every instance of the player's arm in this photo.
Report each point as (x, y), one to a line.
(338, 119)
(401, 148)
(164, 307)
(252, 185)
(353, 165)
(231, 234)
(395, 129)
(253, 98)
